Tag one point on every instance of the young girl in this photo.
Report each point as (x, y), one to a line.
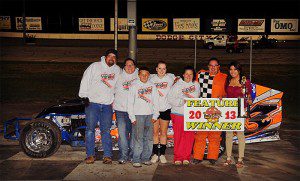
(234, 89)
(183, 140)
(163, 82)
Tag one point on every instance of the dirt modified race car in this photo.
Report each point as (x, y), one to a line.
(65, 122)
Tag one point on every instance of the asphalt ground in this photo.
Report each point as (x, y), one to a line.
(35, 77)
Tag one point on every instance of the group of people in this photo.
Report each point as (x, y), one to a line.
(145, 103)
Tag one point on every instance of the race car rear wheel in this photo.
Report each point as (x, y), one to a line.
(40, 138)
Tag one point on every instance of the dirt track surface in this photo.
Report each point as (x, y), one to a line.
(34, 77)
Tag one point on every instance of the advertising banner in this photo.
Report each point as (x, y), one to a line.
(91, 24)
(186, 24)
(284, 25)
(154, 24)
(32, 23)
(5, 23)
(213, 114)
(122, 24)
(251, 25)
(218, 25)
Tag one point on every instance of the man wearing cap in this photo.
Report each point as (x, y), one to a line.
(97, 90)
(212, 85)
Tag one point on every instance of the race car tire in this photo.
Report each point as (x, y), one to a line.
(40, 138)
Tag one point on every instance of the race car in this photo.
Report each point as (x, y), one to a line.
(65, 122)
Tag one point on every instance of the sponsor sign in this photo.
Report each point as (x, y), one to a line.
(5, 23)
(32, 23)
(91, 24)
(131, 22)
(154, 24)
(213, 114)
(186, 24)
(122, 24)
(218, 25)
(284, 25)
(251, 25)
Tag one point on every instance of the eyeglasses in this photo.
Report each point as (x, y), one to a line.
(213, 65)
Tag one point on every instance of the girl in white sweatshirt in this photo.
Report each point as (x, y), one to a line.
(143, 110)
(163, 82)
(183, 140)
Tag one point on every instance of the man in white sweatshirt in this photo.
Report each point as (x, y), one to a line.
(125, 81)
(143, 110)
(97, 89)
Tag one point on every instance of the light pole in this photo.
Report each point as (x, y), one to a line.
(131, 17)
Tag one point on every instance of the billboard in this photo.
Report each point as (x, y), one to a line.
(5, 23)
(213, 114)
(154, 24)
(32, 23)
(122, 24)
(91, 24)
(218, 25)
(186, 24)
(251, 25)
(284, 25)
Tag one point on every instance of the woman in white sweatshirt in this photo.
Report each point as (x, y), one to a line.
(183, 140)
(124, 82)
(163, 82)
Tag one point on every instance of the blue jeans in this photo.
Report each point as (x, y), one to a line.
(142, 138)
(103, 114)
(125, 135)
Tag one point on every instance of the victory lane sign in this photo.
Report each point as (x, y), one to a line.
(213, 114)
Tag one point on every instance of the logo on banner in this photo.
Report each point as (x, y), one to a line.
(155, 24)
(186, 24)
(284, 25)
(251, 25)
(212, 114)
(218, 25)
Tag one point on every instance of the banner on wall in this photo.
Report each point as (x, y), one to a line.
(5, 23)
(122, 24)
(284, 25)
(154, 24)
(218, 25)
(32, 23)
(91, 24)
(213, 114)
(251, 25)
(186, 24)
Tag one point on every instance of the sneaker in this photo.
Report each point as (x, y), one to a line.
(90, 160)
(178, 163)
(137, 165)
(107, 160)
(196, 161)
(154, 158)
(147, 163)
(163, 159)
(122, 161)
(186, 162)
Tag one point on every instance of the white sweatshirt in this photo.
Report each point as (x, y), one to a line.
(163, 86)
(182, 90)
(124, 82)
(98, 82)
(142, 100)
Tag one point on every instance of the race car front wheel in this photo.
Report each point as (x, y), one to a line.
(40, 138)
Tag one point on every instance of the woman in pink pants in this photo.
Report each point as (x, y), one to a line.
(183, 140)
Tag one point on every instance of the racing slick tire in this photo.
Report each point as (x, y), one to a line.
(40, 138)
